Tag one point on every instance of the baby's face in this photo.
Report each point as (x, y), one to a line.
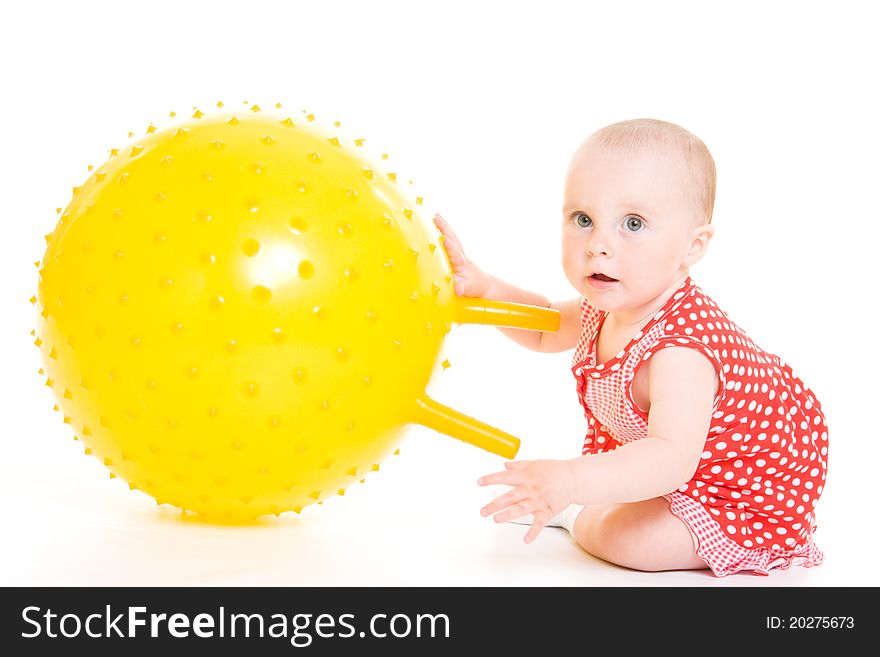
(629, 226)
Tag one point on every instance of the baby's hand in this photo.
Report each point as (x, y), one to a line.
(470, 280)
(542, 488)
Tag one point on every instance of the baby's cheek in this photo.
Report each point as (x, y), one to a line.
(575, 275)
(573, 260)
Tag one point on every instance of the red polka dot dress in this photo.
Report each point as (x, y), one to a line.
(750, 504)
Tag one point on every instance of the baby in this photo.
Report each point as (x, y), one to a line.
(701, 448)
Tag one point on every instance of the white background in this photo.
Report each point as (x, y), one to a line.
(481, 105)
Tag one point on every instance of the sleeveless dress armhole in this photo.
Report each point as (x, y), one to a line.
(679, 341)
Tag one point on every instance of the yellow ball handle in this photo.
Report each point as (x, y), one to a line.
(471, 310)
(448, 421)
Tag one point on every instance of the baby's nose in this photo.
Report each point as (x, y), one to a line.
(597, 247)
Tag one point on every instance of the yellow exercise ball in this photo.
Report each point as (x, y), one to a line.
(239, 313)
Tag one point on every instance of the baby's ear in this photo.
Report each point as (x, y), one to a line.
(700, 239)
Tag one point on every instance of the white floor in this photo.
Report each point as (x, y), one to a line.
(408, 525)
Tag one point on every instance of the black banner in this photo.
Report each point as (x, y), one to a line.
(430, 621)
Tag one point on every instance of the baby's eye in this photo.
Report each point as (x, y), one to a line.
(633, 223)
(581, 220)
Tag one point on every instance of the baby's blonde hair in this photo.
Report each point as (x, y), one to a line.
(635, 134)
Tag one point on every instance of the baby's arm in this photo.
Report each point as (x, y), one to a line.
(682, 387)
(682, 384)
(471, 281)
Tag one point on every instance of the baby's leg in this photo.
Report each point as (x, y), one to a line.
(641, 535)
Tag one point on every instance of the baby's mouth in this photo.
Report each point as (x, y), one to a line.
(603, 277)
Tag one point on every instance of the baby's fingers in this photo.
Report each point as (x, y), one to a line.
(505, 477)
(509, 502)
(456, 255)
(470, 280)
(534, 530)
(449, 236)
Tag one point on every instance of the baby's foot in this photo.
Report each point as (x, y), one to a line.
(555, 521)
